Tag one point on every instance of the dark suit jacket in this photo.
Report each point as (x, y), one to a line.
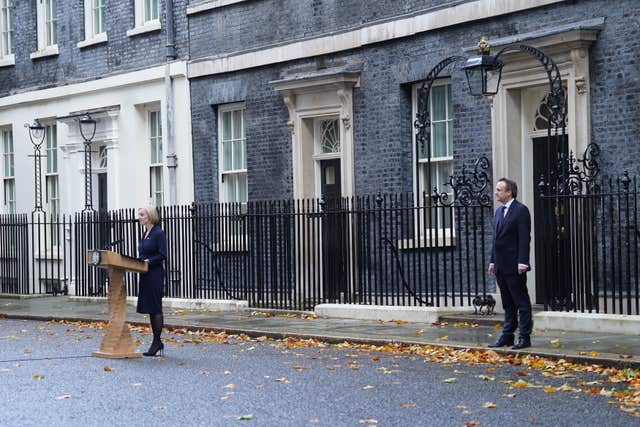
(511, 243)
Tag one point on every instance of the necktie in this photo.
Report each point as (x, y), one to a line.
(500, 218)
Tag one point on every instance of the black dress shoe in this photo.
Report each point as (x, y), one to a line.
(522, 343)
(503, 341)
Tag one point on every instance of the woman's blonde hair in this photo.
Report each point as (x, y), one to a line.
(152, 213)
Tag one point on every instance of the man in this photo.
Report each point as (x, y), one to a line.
(510, 263)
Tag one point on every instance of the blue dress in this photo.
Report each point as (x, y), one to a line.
(153, 248)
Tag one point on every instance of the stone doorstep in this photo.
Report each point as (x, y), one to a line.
(181, 303)
(385, 312)
(623, 324)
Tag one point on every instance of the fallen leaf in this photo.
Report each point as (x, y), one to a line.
(461, 406)
(549, 389)
(450, 380)
(368, 387)
(107, 369)
(489, 405)
(38, 377)
(408, 405)
(486, 378)
(420, 332)
(246, 417)
(282, 380)
(472, 424)
(229, 386)
(368, 421)
(63, 397)
(555, 343)
(626, 356)
(299, 368)
(509, 395)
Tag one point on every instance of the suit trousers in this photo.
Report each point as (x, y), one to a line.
(516, 303)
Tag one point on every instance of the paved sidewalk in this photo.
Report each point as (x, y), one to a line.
(464, 331)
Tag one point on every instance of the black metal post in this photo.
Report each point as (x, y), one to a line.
(88, 196)
(88, 130)
(37, 137)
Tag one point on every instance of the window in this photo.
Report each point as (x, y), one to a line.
(47, 20)
(94, 25)
(48, 23)
(150, 10)
(155, 170)
(436, 159)
(6, 29)
(52, 184)
(9, 180)
(232, 154)
(147, 17)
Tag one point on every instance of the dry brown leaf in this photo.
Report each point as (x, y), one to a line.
(368, 421)
(408, 405)
(489, 405)
(107, 368)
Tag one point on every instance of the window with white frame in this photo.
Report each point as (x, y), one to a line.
(47, 11)
(94, 16)
(147, 16)
(156, 187)
(436, 159)
(52, 180)
(6, 30)
(232, 154)
(9, 179)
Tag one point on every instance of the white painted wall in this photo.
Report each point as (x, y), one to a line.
(123, 130)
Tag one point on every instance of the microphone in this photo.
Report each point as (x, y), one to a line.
(112, 244)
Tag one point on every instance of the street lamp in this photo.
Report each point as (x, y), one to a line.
(87, 130)
(37, 135)
(483, 71)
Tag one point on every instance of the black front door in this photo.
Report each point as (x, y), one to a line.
(334, 232)
(545, 157)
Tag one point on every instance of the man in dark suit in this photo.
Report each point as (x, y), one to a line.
(510, 263)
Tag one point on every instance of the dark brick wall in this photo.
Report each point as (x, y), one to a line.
(120, 54)
(382, 119)
(264, 22)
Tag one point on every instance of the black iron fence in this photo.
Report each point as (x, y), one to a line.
(35, 253)
(378, 249)
(591, 246)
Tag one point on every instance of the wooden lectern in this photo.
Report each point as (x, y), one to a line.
(117, 342)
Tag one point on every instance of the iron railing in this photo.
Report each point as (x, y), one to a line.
(592, 238)
(35, 253)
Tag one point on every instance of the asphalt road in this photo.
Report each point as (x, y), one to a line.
(47, 378)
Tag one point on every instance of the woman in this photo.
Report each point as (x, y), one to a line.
(152, 249)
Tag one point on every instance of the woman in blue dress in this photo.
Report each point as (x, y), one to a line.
(152, 249)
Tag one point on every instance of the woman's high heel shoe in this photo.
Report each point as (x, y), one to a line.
(154, 349)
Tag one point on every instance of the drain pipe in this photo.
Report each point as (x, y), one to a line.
(172, 159)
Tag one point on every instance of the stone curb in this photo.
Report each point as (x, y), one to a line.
(611, 361)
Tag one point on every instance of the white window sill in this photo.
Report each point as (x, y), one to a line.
(421, 242)
(47, 51)
(8, 60)
(146, 28)
(97, 39)
(211, 4)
